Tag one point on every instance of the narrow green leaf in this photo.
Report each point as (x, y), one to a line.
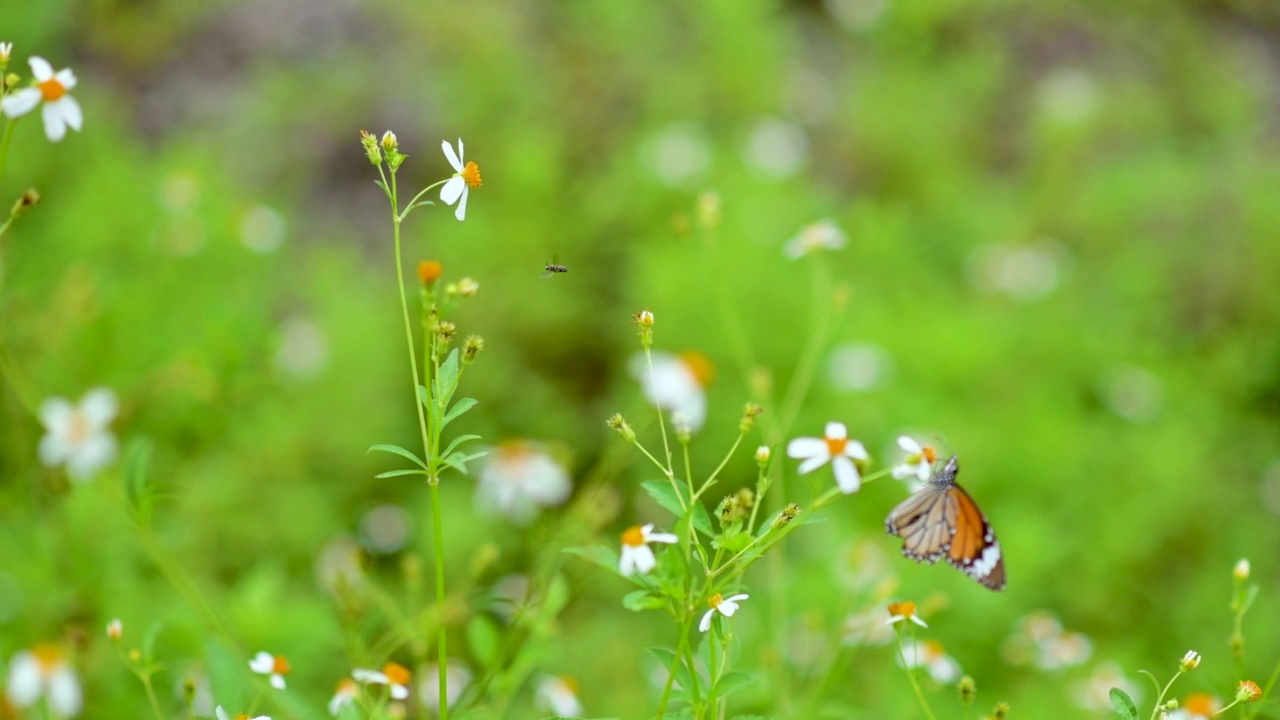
(732, 542)
(458, 408)
(458, 441)
(137, 463)
(399, 473)
(397, 450)
(642, 600)
(483, 639)
(458, 460)
(665, 495)
(1123, 704)
(447, 378)
(733, 681)
(423, 397)
(666, 657)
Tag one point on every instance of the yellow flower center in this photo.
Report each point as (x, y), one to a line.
(836, 446)
(346, 686)
(700, 365)
(77, 428)
(902, 609)
(280, 666)
(932, 650)
(471, 173)
(1200, 704)
(570, 684)
(929, 454)
(52, 90)
(396, 673)
(48, 657)
(633, 536)
(715, 600)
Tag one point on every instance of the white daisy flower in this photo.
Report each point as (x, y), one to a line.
(43, 672)
(77, 436)
(1196, 706)
(394, 675)
(273, 666)
(60, 109)
(822, 235)
(836, 448)
(518, 478)
(457, 676)
(870, 627)
(636, 555)
(904, 611)
(343, 695)
(1094, 693)
(115, 630)
(224, 715)
(464, 179)
(726, 606)
(929, 655)
(677, 384)
(919, 460)
(559, 696)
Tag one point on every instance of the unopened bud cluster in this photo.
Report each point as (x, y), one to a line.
(968, 690)
(788, 514)
(471, 348)
(388, 148)
(620, 426)
(1190, 661)
(749, 418)
(737, 507)
(644, 321)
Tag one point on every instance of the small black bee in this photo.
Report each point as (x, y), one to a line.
(554, 267)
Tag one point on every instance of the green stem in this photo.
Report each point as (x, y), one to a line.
(1155, 711)
(734, 448)
(151, 696)
(911, 674)
(1266, 691)
(409, 207)
(662, 423)
(675, 664)
(442, 660)
(4, 151)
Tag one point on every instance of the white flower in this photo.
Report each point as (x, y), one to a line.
(224, 715)
(342, 695)
(929, 654)
(456, 679)
(115, 630)
(1190, 661)
(77, 435)
(518, 477)
(60, 109)
(677, 384)
(465, 177)
(822, 235)
(559, 696)
(1039, 638)
(274, 666)
(726, 606)
(898, 612)
(919, 460)
(6, 51)
(1241, 570)
(1094, 693)
(393, 675)
(1197, 706)
(867, 628)
(636, 555)
(834, 447)
(43, 671)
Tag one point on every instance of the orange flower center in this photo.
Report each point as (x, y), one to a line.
(715, 600)
(280, 666)
(929, 454)
(932, 650)
(633, 536)
(396, 673)
(836, 446)
(903, 609)
(429, 271)
(700, 365)
(471, 173)
(52, 90)
(1201, 704)
(48, 657)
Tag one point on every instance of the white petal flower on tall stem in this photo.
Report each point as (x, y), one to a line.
(558, 696)
(726, 606)
(929, 655)
(394, 675)
(275, 667)
(822, 235)
(224, 715)
(919, 461)
(465, 178)
(519, 477)
(77, 435)
(677, 384)
(833, 447)
(43, 672)
(636, 556)
(60, 110)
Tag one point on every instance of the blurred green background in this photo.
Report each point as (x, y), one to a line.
(1064, 248)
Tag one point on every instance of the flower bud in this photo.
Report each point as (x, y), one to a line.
(27, 200)
(749, 418)
(6, 51)
(968, 690)
(1241, 571)
(471, 348)
(762, 456)
(708, 210)
(370, 145)
(788, 514)
(619, 425)
(389, 141)
(189, 689)
(1190, 661)
(115, 630)
(680, 423)
(1001, 711)
(430, 271)
(135, 655)
(1248, 692)
(467, 287)
(446, 331)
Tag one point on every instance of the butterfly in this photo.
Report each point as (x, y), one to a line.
(941, 520)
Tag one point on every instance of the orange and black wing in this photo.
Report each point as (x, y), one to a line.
(923, 524)
(974, 549)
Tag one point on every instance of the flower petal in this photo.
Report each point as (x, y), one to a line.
(813, 463)
(399, 692)
(277, 681)
(923, 471)
(54, 450)
(262, 663)
(627, 561)
(220, 713)
(451, 156)
(24, 679)
(66, 77)
(909, 445)
(644, 559)
(663, 538)
(369, 676)
(452, 190)
(71, 112)
(836, 431)
(99, 407)
(90, 456)
(41, 70)
(728, 608)
(807, 447)
(903, 471)
(461, 212)
(21, 102)
(705, 624)
(55, 128)
(65, 697)
(737, 598)
(855, 449)
(846, 475)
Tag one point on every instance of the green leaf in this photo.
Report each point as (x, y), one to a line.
(733, 681)
(484, 640)
(447, 378)
(641, 600)
(398, 473)
(458, 460)
(665, 495)
(666, 657)
(397, 450)
(732, 542)
(149, 640)
(382, 185)
(458, 441)
(1123, 704)
(423, 397)
(598, 554)
(137, 462)
(458, 408)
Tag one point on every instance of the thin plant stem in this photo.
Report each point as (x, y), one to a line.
(675, 664)
(911, 673)
(711, 478)
(662, 423)
(1155, 711)
(1266, 692)
(4, 149)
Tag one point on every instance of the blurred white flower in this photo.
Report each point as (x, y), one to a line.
(457, 676)
(903, 612)
(558, 696)
(262, 229)
(43, 672)
(929, 655)
(833, 447)
(1068, 95)
(1133, 393)
(115, 630)
(224, 715)
(77, 436)
(518, 477)
(385, 528)
(855, 15)
(339, 565)
(346, 692)
(636, 555)
(394, 676)
(819, 236)
(202, 693)
(1196, 706)
(1241, 570)
(304, 349)
(870, 627)
(60, 109)
(1039, 639)
(677, 384)
(776, 147)
(1094, 693)
(464, 179)
(1023, 271)
(510, 596)
(726, 606)
(6, 51)
(275, 667)
(919, 460)
(856, 367)
(678, 154)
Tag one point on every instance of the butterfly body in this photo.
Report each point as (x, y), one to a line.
(942, 521)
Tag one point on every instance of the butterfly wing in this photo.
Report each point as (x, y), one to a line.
(974, 550)
(920, 521)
